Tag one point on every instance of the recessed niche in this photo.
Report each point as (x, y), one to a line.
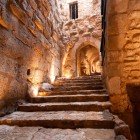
(28, 72)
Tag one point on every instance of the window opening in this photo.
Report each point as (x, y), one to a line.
(74, 10)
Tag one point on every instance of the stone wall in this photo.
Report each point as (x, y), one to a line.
(30, 33)
(85, 8)
(86, 30)
(122, 60)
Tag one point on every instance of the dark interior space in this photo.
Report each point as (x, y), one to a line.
(134, 95)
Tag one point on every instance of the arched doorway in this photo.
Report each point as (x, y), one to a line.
(88, 60)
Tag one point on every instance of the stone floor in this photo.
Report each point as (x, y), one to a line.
(39, 133)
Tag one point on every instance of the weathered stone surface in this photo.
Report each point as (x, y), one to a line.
(122, 61)
(83, 92)
(120, 39)
(122, 129)
(114, 85)
(120, 137)
(68, 97)
(116, 24)
(71, 98)
(127, 66)
(68, 114)
(28, 49)
(84, 29)
(71, 106)
(118, 7)
(35, 36)
(60, 119)
(35, 133)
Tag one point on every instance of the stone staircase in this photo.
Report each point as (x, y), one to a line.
(77, 108)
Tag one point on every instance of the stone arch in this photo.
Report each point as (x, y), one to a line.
(69, 65)
(86, 55)
(87, 41)
(84, 42)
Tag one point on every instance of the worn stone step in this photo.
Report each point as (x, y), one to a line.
(79, 84)
(78, 81)
(88, 77)
(81, 78)
(58, 88)
(75, 92)
(71, 98)
(60, 119)
(40, 133)
(71, 106)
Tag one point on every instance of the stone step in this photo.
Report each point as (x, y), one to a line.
(79, 84)
(75, 92)
(71, 98)
(81, 78)
(88, 77)
(40, 133)
(60, 119)
(63, 88)
(78, 81)
(71, 106)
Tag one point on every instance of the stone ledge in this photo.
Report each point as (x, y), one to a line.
(60, 119)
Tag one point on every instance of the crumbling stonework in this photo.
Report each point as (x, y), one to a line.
(85, 8)
(122, 60)
(30, 33)
(79, 33)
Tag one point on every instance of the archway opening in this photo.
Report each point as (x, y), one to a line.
(88, 61)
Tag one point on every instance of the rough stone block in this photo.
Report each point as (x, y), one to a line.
(116, 24)
(115, 56)
(114, 69)
(116, 42)
(117, 6)
(114, 85)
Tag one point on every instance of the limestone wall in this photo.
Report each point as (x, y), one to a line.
(30, 32)
(122, 60)
(85, 8)
(86, 30)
